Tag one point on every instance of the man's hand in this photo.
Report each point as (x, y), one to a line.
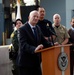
(39, 47)
(56, 44)
(46, 38)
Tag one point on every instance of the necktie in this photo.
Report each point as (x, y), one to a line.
(35, 33)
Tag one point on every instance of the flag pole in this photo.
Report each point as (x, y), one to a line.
(18, 13)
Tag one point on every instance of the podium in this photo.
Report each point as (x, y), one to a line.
(56, 60)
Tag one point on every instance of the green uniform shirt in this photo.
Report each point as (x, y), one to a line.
(61, 33)
(14, 40)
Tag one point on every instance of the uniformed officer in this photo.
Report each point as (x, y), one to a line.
(15, 43)
(61, 32)
(45, 25)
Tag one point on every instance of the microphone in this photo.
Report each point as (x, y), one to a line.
(50, 30)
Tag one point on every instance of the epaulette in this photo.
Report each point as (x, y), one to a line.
(63, 26)
(10, 46)
(12, 35)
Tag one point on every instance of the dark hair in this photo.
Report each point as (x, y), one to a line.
(18, 20)
(40, 7)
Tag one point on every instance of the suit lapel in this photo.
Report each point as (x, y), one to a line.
(31, 35)
(38, 36)
(29, 31)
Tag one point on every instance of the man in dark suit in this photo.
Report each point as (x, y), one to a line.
(28, 60)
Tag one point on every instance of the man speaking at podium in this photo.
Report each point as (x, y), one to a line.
(30, 40)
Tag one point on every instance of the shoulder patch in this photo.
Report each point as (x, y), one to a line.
(12, 35)
(63, 26)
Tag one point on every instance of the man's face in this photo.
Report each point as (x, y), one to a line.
(41, 12)
(72, 23)
(33, 18)
(57, 20)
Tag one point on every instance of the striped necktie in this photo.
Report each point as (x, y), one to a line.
(35, 33)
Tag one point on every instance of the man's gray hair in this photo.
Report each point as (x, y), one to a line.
(33, 12)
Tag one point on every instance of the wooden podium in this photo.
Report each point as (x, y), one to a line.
(56, 60)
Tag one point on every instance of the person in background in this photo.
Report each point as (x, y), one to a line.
(71, 41)
(45, 25)
(30, 40)
(15, 45)
(61, 31)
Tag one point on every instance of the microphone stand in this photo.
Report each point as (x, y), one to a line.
(52, 33)
(52, 40)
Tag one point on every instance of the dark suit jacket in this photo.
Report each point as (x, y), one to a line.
(44, 28)
(27, 43)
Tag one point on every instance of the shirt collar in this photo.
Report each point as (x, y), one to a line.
(15, 28)
(72, 28)
(55, 26)
(31, 25)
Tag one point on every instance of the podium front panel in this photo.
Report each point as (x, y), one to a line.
(50, 61)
